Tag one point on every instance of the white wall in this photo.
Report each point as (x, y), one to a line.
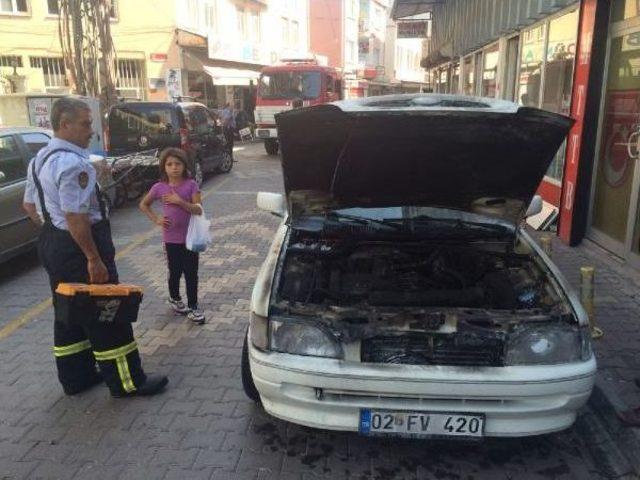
(249, 32)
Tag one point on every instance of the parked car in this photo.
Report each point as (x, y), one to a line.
(401, 296)
(17, 146)
(140, 126)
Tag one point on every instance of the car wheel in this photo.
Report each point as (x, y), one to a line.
(271, 146)
(248, 386)
(226, 164)
(199, 174)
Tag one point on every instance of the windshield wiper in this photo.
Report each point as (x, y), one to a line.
(392, 223)
(460, 224)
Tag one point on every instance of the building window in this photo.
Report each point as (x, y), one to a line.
(285, 30)
(295, 34)
(55, 76)
(256, 34)
(14, 6)
(350, 54)
(210, 16)
(242, 22)
(130, 81)
(10, 61)
(53, 7)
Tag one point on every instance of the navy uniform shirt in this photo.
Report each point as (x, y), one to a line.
(68, 182)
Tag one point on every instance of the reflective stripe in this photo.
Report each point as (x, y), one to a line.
(125, 374)
(120, 357)
(116, 352)
(71, 349)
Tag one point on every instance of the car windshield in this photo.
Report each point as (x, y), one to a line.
(290, 85)
(141, 118)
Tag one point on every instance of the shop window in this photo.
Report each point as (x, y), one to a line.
(14, 7)
(625, 9)
(477, 72)
(558, 76)
(455, 78)
(467, 83)
(489, 72)
(531, 63)
(511, 68)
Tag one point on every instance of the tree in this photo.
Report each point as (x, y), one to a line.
(84, 30)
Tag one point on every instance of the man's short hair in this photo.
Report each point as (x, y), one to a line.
(66, 107)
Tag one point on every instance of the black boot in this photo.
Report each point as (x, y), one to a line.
(152, 385)
(86, 385)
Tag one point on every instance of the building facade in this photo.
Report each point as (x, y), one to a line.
(210, 50)
(359, 37)
(578, 58)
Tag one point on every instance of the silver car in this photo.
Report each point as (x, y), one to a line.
(17, 146)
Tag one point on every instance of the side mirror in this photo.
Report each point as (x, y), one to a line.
(535, 207)
(272, 202)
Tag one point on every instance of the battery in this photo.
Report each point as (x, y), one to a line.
(87, 304)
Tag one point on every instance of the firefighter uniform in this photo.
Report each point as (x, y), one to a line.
(65, 181)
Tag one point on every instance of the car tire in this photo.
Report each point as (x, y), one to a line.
(226, 164)
(271, 146)
(248, 386)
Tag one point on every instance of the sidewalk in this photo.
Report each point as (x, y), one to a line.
(617, 313)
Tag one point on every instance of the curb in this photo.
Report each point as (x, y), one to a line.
(616, 447)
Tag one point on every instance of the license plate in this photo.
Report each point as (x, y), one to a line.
(262, 133)
(420, 424)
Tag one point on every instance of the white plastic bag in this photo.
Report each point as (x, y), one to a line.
(198, 234)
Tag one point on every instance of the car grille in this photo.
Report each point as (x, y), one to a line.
(460, 349)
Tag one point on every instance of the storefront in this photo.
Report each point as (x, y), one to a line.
(614, 214)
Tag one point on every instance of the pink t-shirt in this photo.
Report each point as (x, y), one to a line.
(179, 217)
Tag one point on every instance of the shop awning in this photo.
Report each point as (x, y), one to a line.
(231, 76)
(409, 8)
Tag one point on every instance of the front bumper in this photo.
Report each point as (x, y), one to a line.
(266, 132)
(328, 394)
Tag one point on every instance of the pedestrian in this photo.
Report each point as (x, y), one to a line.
(181, 198)
(75, 245)
(228, 125)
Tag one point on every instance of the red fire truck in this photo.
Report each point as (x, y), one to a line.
(292, 83)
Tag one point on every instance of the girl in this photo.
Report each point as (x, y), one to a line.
(180, 197)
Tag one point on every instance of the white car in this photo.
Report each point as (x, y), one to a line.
(400, 295)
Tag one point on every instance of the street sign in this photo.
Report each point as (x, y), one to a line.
(412, 29)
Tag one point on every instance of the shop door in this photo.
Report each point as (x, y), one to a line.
(614, 215)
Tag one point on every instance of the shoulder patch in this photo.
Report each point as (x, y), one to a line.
(83, 179)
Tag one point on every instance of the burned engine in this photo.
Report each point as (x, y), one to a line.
(405, 274)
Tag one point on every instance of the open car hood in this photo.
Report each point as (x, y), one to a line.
(472, 154)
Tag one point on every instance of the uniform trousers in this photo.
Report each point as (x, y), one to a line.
(77, 348)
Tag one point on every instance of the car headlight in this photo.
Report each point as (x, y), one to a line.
(302, 338)
(548, 345)
(259, 331)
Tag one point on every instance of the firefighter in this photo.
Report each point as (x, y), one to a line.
(75, 245)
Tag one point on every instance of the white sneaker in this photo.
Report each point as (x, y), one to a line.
(178, 306)
(196, 316)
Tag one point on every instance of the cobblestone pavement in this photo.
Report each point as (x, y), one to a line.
(203, 427)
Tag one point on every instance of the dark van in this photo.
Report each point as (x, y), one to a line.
(139, 126)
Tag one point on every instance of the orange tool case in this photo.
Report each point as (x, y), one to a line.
(81, 303)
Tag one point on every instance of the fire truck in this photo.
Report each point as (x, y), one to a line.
(292, 83)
